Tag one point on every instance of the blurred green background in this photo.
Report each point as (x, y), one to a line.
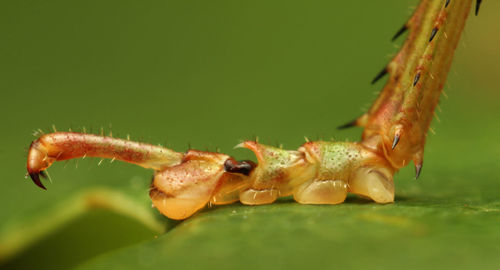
(210, 74)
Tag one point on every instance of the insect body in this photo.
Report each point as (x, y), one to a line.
(318, 172)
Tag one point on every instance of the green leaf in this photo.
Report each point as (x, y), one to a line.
(88, 235)
(24, 230)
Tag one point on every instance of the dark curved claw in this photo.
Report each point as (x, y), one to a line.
(478, 5)
(395, 141)
(36, 179)
(418, 170)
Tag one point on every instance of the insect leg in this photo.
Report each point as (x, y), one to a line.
(68, 145)
(396, 125)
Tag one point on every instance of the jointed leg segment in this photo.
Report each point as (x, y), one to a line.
(184, 183)
(68, 145)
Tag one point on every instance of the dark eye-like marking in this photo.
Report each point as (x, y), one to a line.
(243, 167)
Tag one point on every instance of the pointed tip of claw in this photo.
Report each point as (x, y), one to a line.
(36, 179)
(478, 5)
(395, 141)
(418, 170)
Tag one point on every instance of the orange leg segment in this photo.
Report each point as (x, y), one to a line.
(67, 145)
